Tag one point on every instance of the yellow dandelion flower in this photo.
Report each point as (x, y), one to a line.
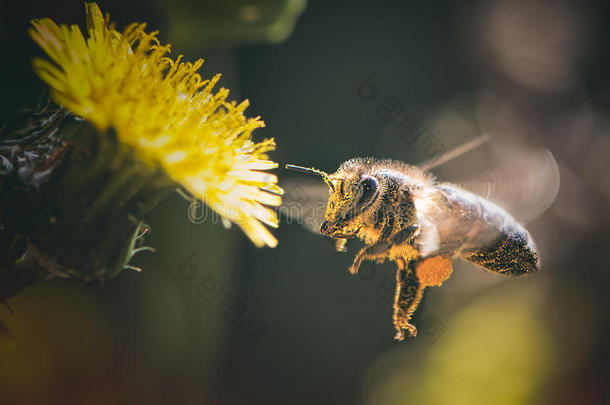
(163, 109)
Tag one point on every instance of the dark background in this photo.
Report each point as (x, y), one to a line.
(213, 320)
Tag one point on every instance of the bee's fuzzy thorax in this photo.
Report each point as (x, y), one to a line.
(373, 165)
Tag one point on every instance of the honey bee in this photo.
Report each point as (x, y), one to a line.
(405, 216)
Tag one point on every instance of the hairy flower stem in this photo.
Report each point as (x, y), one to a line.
(86, 220)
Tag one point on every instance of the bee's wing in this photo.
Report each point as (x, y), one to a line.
(304, 202)
(525, 186)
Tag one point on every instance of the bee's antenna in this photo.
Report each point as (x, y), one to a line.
(311, 170)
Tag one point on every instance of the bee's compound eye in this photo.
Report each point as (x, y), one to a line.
(368, 188)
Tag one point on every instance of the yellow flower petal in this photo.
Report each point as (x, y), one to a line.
(166, 112)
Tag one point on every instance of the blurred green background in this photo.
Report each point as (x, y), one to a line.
(213, 320)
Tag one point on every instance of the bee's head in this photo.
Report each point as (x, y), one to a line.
(353, 192)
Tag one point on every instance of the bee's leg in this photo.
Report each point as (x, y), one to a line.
(379, 250)
(411, 281)
(340, 245)
(409, 292)
(368, 252)
(360, 256)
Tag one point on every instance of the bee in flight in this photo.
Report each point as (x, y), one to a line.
(403, 215)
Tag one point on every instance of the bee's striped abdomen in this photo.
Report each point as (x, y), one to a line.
(513, 253)
(481, 232)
